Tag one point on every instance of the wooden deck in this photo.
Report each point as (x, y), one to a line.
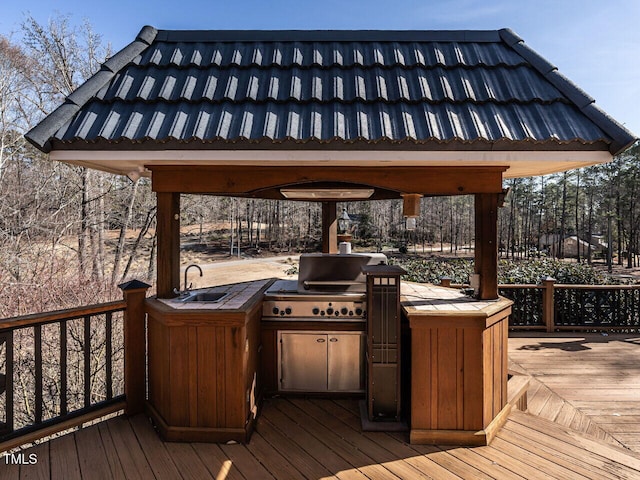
(587, 382)
(581, 386)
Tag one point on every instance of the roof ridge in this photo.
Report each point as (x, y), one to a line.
(328, 35)
(621, 137)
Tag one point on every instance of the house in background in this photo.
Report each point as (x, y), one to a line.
(572, 246)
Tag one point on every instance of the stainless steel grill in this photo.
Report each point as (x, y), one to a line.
(329, 287)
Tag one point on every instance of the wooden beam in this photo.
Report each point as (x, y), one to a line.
(239, 180)
(329, 227)
(168, 232)
(486, 249)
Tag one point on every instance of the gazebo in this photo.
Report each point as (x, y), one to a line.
(329, 115)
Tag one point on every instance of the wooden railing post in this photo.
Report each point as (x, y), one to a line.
(134, 293)
(548, 304)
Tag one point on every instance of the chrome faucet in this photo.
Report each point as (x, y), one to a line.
(187, 288)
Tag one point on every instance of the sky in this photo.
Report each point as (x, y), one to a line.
(594, 43)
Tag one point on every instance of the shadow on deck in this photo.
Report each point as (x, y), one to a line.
(319, 438)
(587, 382)
(583, 408)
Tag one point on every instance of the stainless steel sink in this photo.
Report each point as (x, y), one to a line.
(209, 297)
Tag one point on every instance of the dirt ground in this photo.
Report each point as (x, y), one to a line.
(231, 271)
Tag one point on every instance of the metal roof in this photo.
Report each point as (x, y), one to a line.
(429, 90)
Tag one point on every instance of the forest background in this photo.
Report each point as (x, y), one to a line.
(69, 235)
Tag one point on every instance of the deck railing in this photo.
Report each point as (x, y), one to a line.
(555, 307)
(61, 369)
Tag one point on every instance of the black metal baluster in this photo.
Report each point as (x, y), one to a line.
(37, 339)
(87, 361)
(63, 368)
(7, 339)
(109, 373)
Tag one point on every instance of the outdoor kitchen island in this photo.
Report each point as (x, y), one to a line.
(458, 364)
(203, 364)
(211, 362)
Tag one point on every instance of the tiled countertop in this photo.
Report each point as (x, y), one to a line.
(432, 300)
(238, 295)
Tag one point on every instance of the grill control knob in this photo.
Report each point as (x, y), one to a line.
(358, 311)
(344, 310)
(329, 311)
(287, 310)
(315, 310)
(337, 313)
(351, 312)
(275, 310)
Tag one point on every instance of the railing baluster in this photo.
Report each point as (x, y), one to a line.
(7, 339)
(63, 367)
(108, 360)
(87, 360)
(37, 339)
(41, 416)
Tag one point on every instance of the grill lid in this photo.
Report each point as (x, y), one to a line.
(335, 273)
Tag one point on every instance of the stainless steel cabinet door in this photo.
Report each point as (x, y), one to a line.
(303, 362)
(345, 362)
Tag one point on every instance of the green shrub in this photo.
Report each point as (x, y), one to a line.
(432, 270)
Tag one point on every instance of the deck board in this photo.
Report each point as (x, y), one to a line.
(245, 462)
(92, 456)
(313, 438)
(217, 463)
(573, 436)
(309, 443)
(154, 450)
(64, 463)
(301, 460)
(42, 469)
(111, 454)
(309, 418)
(132, 458)
(596, 376)
(187, 461)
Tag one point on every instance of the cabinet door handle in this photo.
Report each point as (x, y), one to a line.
(320, 340)
(333, 339)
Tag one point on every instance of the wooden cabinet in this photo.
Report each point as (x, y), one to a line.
(458, 369)
(203, 372)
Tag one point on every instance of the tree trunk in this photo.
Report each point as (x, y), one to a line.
(84, 222)
(122, 236)
(134, 249)
(563, 216)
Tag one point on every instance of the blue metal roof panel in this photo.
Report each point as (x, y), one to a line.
(334, 84)
(421, 122)
(327, 54)
(339, 87)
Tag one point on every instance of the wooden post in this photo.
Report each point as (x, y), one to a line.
(548, 303)
(329, 228)
(445, 282)
(168, 221)
(134, 345)
(486, 251)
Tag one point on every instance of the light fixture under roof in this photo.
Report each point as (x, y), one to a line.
(326, 193)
